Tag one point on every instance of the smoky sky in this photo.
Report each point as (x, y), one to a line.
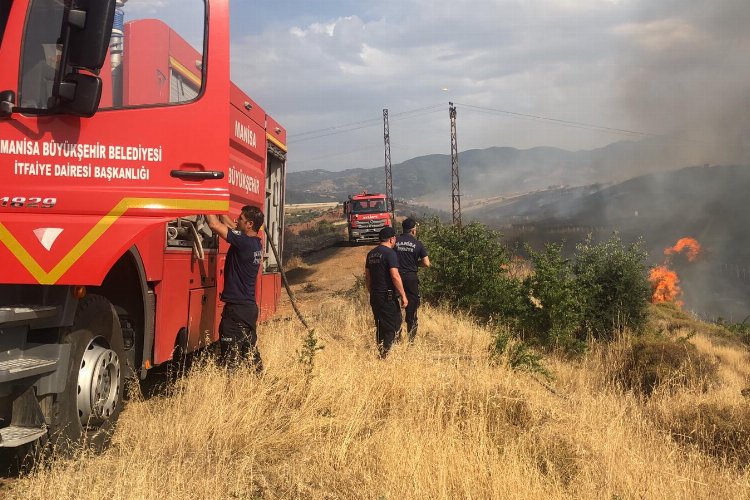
(686, 75)
(674, 69)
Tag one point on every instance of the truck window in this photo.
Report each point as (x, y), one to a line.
(40, 53)
(156, 54)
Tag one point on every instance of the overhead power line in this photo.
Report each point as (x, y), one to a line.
(426, 110)
(350, 127)
(557, 121)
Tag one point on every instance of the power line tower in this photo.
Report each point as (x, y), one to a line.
(388, 176)
(456, 201)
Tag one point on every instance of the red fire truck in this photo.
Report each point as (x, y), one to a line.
(119, 128)
(366, 214)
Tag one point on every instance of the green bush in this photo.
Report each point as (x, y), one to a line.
(469, 270)
(553, 312)
(561, 304)
(614, 287)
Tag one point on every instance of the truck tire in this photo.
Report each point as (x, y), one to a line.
(86, 411)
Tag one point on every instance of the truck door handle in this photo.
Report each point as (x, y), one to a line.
(197, 175)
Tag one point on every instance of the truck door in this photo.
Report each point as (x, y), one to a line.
(274, 212)
(77, 191)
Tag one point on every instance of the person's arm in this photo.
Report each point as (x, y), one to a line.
(368, 280)
(227, 220)
(217, 226)
(424, 259)
(396, 278)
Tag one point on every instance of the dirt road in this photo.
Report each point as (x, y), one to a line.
(323, 274)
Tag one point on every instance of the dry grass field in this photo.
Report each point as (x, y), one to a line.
(438, 419)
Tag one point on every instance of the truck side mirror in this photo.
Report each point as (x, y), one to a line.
(7, 102)
(90, 24)
(80, 94)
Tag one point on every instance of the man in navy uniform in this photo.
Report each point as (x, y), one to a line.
(239, 318)
(411, 255)
(384, 285)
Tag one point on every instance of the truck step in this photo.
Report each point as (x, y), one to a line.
(17, 368)
(15, 435)
(26, 313)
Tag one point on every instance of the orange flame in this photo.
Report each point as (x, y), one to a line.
(664, 281)
(664, 285)
(692, 246)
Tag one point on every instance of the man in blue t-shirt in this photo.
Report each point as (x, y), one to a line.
(384, 284)
(411, 255)
(237, 330)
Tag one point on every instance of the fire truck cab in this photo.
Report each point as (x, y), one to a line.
(366, 214)
(119, 129)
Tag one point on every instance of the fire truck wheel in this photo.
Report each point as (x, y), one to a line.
(88, 408)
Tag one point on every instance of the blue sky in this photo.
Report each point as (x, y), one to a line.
(523, 73)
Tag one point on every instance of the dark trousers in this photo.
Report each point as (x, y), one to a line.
(411, 287)
(238, 336)
(387, 313)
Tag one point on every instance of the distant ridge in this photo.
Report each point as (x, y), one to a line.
(487, 172)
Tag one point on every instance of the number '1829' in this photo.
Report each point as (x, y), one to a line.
(23, 202)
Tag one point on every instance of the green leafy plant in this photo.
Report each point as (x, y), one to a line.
(518, 355)
(553, 312)
(306, 355)
(612, 280)
(469, 270)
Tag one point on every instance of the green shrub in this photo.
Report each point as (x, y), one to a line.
(740, 330)
(322, 227)
(469, 270)
(614, 287)
(553, 312)
(562, 303)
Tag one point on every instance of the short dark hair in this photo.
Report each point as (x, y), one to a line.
(408, 224)
(254, 215)
(386, 233)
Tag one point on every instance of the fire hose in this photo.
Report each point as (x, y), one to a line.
(286, 284)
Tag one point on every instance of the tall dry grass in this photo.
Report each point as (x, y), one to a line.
(434, 420)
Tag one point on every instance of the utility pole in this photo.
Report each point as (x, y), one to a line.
(456, 201)
(388, 175)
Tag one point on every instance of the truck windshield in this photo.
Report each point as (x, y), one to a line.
(40, 53)
(368, 206)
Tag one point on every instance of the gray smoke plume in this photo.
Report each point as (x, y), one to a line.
(686, 75)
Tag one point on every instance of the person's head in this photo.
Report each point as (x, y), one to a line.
(409, 225)
(250, 219)
(387, 236)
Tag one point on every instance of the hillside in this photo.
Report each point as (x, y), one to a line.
(485, 172)
(449, 420)
(706, 203)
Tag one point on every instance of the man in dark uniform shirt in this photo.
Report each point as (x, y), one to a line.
(239, 318)
(384, 285)
(411, 254)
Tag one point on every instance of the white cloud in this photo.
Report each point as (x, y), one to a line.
(567, 59)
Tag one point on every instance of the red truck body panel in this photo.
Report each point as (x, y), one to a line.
(93, 188)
